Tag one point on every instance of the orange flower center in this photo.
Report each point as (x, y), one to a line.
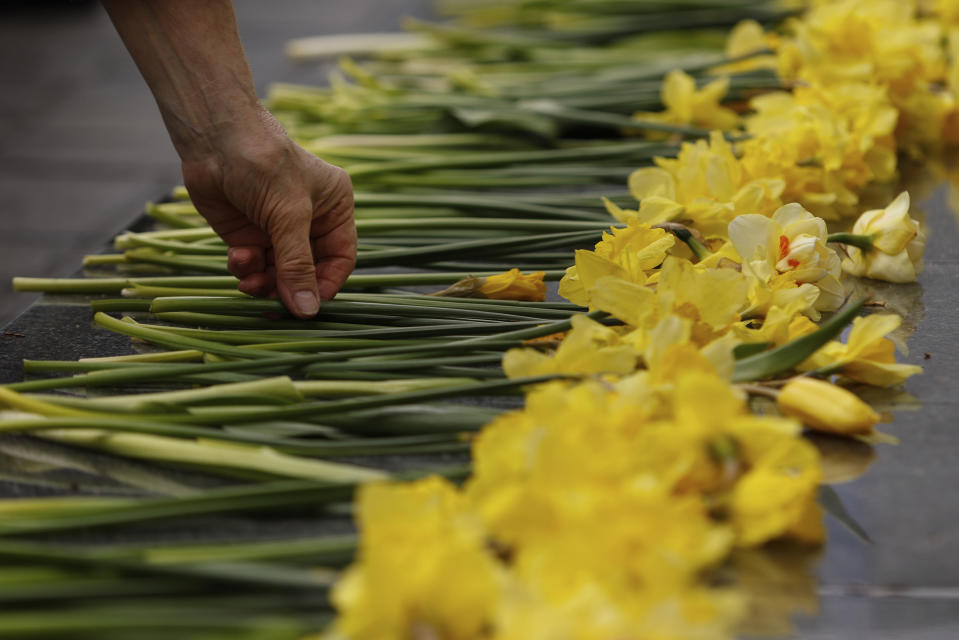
(783, 247)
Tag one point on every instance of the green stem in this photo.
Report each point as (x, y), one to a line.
(208, 264)
(510, 224)
(390, 308)
(484, 247)
(330, 329)
(862, 241)
(683, 233)
(247, 497)
(228, 283)
(154, 440)
(632, 150)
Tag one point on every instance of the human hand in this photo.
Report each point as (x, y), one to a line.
(286, 216)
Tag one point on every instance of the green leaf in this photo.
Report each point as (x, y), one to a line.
(747, 349)
(769, 363)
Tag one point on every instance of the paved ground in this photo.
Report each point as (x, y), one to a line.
(81, 143)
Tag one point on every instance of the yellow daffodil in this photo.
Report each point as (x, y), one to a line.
(588, 348)
(686, 105)
(873, 40)
(746, 38)
(525, 461)
(947, 11)
(509, 285)
(669, 352)
(775, 327)
(422, 565)
(710, 299)
(705, 184)
(897, 240)
(777, 496)
(788, 249)
(826, 142)
(824, 406)
(629, 253)
(514, 285)
(592, 613)
(867, 356)
(882, 42)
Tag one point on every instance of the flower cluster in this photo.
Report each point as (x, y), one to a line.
(867, 79)
(544, 541)
(597, 510)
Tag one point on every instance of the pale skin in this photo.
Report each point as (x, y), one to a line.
(286, 216)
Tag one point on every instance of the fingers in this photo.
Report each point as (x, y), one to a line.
(334, 231)
(245, 261)
(260, 284)
(336, 257)
(295, 269)
(285, 215)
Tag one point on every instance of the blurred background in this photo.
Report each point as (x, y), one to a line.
(82, 146)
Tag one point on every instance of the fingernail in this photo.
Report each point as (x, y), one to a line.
(306, 303)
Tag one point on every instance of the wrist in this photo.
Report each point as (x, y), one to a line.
(200, 127)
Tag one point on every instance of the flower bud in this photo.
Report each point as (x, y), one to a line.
(826, 407)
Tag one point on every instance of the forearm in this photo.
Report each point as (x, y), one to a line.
(190, 55)
(286, 216)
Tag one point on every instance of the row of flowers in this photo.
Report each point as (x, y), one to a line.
(600, 508)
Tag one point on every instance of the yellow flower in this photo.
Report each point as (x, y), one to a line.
(771, 472)
(669, 352)
(898, 244)
(745, 38)
(688, 106)
(947, 11)
(592, 613)
(826, 141)
(588, 348)
(867, 356)
(509, 285)
(777, 496)
(626, 540)
(711, 299)
(629, 253)
(775, 326)
(824, 406)
(423, 567)
(789, 248)
(514, 285)
(705, 184)
(870, 40)
(528, 465)
(875, 41)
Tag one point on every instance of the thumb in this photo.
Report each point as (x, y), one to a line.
(295, 269)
